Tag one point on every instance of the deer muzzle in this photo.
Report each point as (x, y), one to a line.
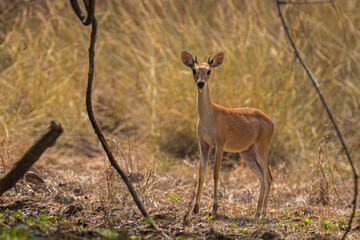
(200, 84)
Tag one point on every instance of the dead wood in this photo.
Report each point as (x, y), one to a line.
(30, 157)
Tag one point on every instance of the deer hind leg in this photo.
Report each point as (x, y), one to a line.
(217, 164)
(250, 158)
(262, 151)
(204, 154)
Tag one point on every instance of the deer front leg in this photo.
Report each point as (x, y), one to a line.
(218, 160)
(204, 154)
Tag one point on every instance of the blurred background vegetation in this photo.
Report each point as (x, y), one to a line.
(143, 93)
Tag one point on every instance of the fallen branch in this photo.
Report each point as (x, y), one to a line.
(90, 7)
(316, 86)
(30, 157)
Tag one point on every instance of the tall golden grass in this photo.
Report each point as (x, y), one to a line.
(140, 77)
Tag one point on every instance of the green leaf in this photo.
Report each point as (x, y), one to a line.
(245, 231)
(209, 218)
(149, 220)
(306, 221)
(175, 196)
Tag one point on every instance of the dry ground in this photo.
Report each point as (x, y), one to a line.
(69, 196)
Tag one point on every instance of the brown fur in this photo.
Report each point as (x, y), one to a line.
(245, 130)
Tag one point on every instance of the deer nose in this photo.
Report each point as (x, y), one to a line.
(200, 84)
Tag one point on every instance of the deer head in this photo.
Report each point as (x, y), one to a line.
(201, 71)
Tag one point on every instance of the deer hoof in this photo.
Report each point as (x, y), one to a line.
(215, 207)
(260, 220)
(196, 208)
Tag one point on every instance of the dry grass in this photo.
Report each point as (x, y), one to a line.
(144, 99)
(139, 74)
(78, 199)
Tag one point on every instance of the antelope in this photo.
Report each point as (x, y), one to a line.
(244, 130)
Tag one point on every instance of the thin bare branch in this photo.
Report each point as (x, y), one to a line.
(315, 84)
(90, 7)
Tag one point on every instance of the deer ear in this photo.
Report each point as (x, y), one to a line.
(217, 59)
(187, 59)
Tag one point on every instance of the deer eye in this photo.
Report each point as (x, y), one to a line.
(194, 72)
(208, 73)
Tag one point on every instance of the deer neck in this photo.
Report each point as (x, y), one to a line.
(204, 104)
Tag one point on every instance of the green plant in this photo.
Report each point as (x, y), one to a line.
(342, 224)
(149, 220)
(306, 221)
(234, 225)
(245, 231)
(286, 216)
(181, 237)
(327, 226)
(293, 226)
(352, 212)
(133, 237)
(208, 218)
(15, 232)
(17, 214)
(281, 223)
(107, 233)
(175, 196)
